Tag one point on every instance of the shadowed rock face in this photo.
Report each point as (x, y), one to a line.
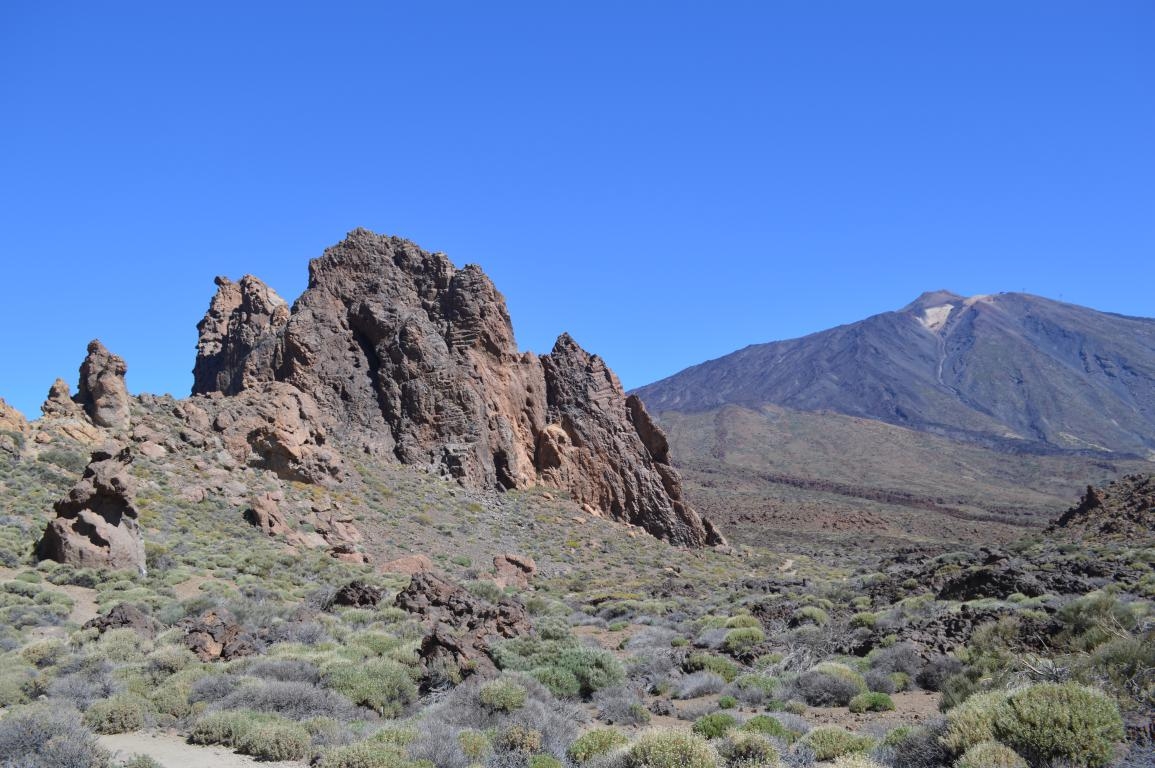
(96, 524)
(407, 354)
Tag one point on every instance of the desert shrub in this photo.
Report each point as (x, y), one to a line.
(226, 728)
(829, 684)
(990, 754)
(880, 681)
(698, 684)
(746, 748)
(919, 747)
(502, 696)
(141, 761)
(485, 589)
(518, 738)
(48, 736)
(727, 702)
(213, 688)
(544, 761)
(122, 645)
(830, 741)
(936, 672)
(123, 713)
(670, 749)
(44, 654)
(972, 722)
(708, 662)
(561, 682)
(751, 688)
(871, 702)
(743, 640)
(856, 760)
(383, 685)
(901, 657)
(276, 741)
(593, 668)
(296, 701)
(621, 705)
(1085, 620)
(83, 679)
(810, 614)
(285, 670)
(474, 744)
(741, 622)
(714, 725)
(595, 743)
(14, 679)
(770, 726)
(1053, 722)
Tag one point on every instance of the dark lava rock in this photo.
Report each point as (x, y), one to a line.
(358, 594)
(124, 616)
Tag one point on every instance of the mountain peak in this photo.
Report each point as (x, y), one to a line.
(932, 299)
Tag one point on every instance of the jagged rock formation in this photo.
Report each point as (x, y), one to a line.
(11, 420)
(1124, 509)
(238, 335)
(408, 354)
(96, 524)
(103, 394)
(460, 627)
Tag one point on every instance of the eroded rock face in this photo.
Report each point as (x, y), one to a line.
(513, 570)
(406, 353)
(11, 420)
(125, 616)
(216, 635)
(238, 336)
(96, 524)
(277, 427)
(103, 394)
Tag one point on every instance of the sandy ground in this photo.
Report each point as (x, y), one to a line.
(171, 751)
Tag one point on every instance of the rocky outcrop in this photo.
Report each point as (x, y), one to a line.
(96, 524)
(1125, 509)
(216, 635)
(125, 616)
(238, 336)
(277, 427)
(358, 594)
(513, 570)
(11, 420)
(103, 394)
(460, 627)
(407, 354)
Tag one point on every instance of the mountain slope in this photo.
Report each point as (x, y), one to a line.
(1011, 371)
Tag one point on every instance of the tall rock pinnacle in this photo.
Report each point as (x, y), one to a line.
(401, 349)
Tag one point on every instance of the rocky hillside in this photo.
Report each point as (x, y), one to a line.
(401, 353)
(1124, 509)
(1011, 371)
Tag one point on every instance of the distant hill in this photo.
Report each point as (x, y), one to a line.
(1009, 371)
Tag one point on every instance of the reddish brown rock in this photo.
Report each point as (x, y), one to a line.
(513, 570)
(125, 616)
(12, 420)
(405, 353)
(460, 627)
(103, 394)
(96, 524)
(358, 594)
(277, 427)
(408, 565)
(238, 336)
(216, 635)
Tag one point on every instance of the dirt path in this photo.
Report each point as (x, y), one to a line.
(172, 751)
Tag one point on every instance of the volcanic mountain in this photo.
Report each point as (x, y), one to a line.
(950, 419)
(1011, 371)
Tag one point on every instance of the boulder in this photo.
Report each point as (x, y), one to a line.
(408, 565)
(459, 626)
(358, 594)
(216, 635)
(513, 570)
(125, 616)
(103, 394)
(96, 525)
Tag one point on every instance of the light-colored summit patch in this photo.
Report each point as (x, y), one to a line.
(934, 318)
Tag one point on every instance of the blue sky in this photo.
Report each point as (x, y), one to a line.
(667, 181)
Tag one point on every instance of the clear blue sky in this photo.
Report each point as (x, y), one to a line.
(667, 181)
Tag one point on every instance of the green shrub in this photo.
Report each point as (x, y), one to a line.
(990, 754)
(544, 761)
(383, 685)
(561, 682)
(972, 722)
(122, 713)
(1053, 722)
(518, 738)
(811, 614)
(670, 749)
(871, 702)
(593, 668)
(226, 728)
(595, 743)
(367, 754)
(709, 662)
(727, 702)
(742, 622)
(502, 696)
(770, 726)
(830, 741)
(141, 761)
(856, 760)
(276, 741)
(743, 639)
(748, 749)
(474, 744)
(714, 725)
(865, 620)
